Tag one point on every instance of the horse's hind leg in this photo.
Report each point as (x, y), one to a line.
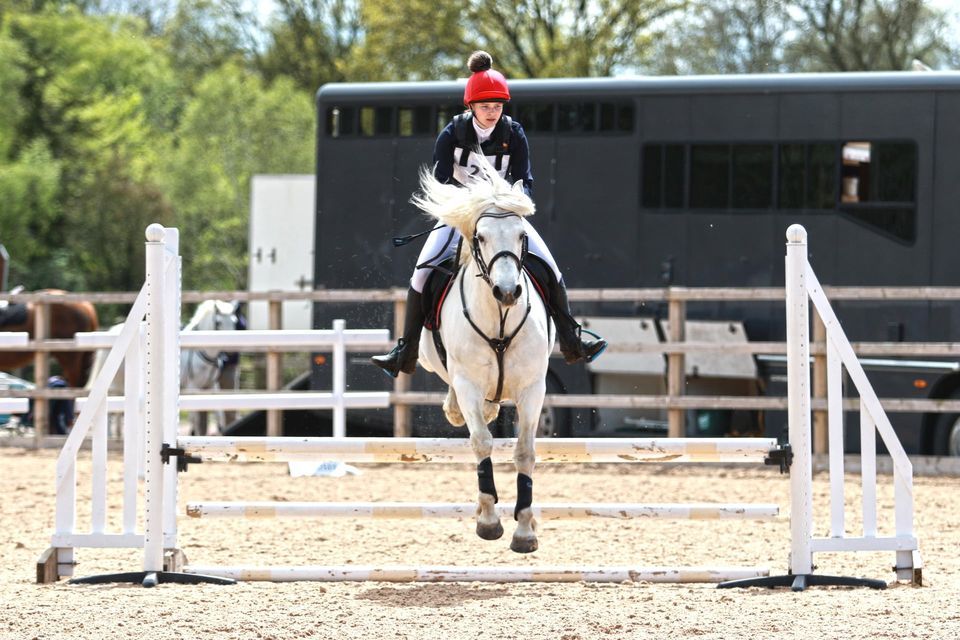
(471, 402)
(529, 405)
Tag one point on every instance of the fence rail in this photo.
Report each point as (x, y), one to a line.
(674, 350)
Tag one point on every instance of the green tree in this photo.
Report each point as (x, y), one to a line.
(29, 211)
(310, 41)
(862, 35)
(761, 36)
(97, 98)
(566, 38)
(725, 36)
(233, 127)
(409, 40)
(203, 35)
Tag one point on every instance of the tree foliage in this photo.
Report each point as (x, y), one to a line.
(754, 36)
(118, 113)
(233, 128)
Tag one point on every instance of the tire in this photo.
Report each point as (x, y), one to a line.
(946, 435)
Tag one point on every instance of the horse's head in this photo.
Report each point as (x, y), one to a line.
(499, 248)
(488, 212)
(213, 315)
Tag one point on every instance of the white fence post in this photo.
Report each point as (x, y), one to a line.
(339, 380)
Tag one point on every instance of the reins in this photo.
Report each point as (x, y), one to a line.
(501, 342)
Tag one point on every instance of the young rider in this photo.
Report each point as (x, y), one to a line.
(504, 145)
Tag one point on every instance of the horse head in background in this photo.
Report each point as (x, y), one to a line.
(496, 333)
(202, 368)
(66, 319)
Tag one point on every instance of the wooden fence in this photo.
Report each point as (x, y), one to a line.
(675, 350)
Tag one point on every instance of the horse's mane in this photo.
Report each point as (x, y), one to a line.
(459, 207)
(206, 308)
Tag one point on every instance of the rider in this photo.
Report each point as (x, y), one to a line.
(504, 145)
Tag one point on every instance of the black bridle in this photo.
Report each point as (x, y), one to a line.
(485, 267)
(501, 342)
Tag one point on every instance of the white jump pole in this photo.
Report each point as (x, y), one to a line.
(543, 511)
(417, 450)
(479, 574)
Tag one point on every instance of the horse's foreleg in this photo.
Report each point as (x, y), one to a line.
(451, 408)
(529, 405)
(471, 405)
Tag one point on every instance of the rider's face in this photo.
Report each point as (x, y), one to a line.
(487, 113)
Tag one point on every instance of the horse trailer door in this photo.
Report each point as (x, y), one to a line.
(281, 246)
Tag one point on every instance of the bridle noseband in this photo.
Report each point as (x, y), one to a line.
(502, 342)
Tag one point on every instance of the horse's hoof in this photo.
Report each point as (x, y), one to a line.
(490, 531)
(523, 545)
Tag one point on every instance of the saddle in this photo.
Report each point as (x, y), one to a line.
(13, 314)
(441, 279)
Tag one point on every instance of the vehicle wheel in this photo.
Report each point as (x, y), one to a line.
(946, 435)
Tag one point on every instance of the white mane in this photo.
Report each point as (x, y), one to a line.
(459, 207)
(207, 309)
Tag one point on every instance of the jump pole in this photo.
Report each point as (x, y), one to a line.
(479, 574)
(542, 511)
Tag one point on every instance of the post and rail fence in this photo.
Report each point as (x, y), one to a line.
(675, 349)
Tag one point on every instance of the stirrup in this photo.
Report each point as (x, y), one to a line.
(600, 341)
(579, 352)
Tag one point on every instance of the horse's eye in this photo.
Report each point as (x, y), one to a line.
(480, 238)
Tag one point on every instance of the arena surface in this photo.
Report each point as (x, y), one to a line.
(454, 611)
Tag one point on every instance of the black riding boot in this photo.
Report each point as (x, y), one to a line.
(404, 355)
(572, 345)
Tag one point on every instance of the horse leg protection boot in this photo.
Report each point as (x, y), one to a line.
(572, 345)
(404, 355)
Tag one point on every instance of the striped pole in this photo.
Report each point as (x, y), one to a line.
(651, 450)
(415, 510)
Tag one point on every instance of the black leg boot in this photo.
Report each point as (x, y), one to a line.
(572, 345)
(404, 355)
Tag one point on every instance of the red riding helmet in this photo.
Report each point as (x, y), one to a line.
(486, 86)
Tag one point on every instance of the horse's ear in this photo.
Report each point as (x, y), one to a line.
(518, 186)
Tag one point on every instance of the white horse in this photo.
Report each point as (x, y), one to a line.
(496, 333)
(200, 369)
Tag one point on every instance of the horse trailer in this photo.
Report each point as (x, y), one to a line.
(680, 181)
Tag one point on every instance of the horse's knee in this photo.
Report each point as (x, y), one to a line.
(490, 412)
(451, 409)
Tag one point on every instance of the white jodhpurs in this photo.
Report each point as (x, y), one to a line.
(436, 249)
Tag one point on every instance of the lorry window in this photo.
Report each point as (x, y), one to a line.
(879, 186)
(709, 176)
(413, 121)
(752, 176)
(341, 121)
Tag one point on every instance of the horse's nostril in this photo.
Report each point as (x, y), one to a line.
(517, 291)
(497, 293)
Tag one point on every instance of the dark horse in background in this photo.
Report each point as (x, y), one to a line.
(66, 319)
